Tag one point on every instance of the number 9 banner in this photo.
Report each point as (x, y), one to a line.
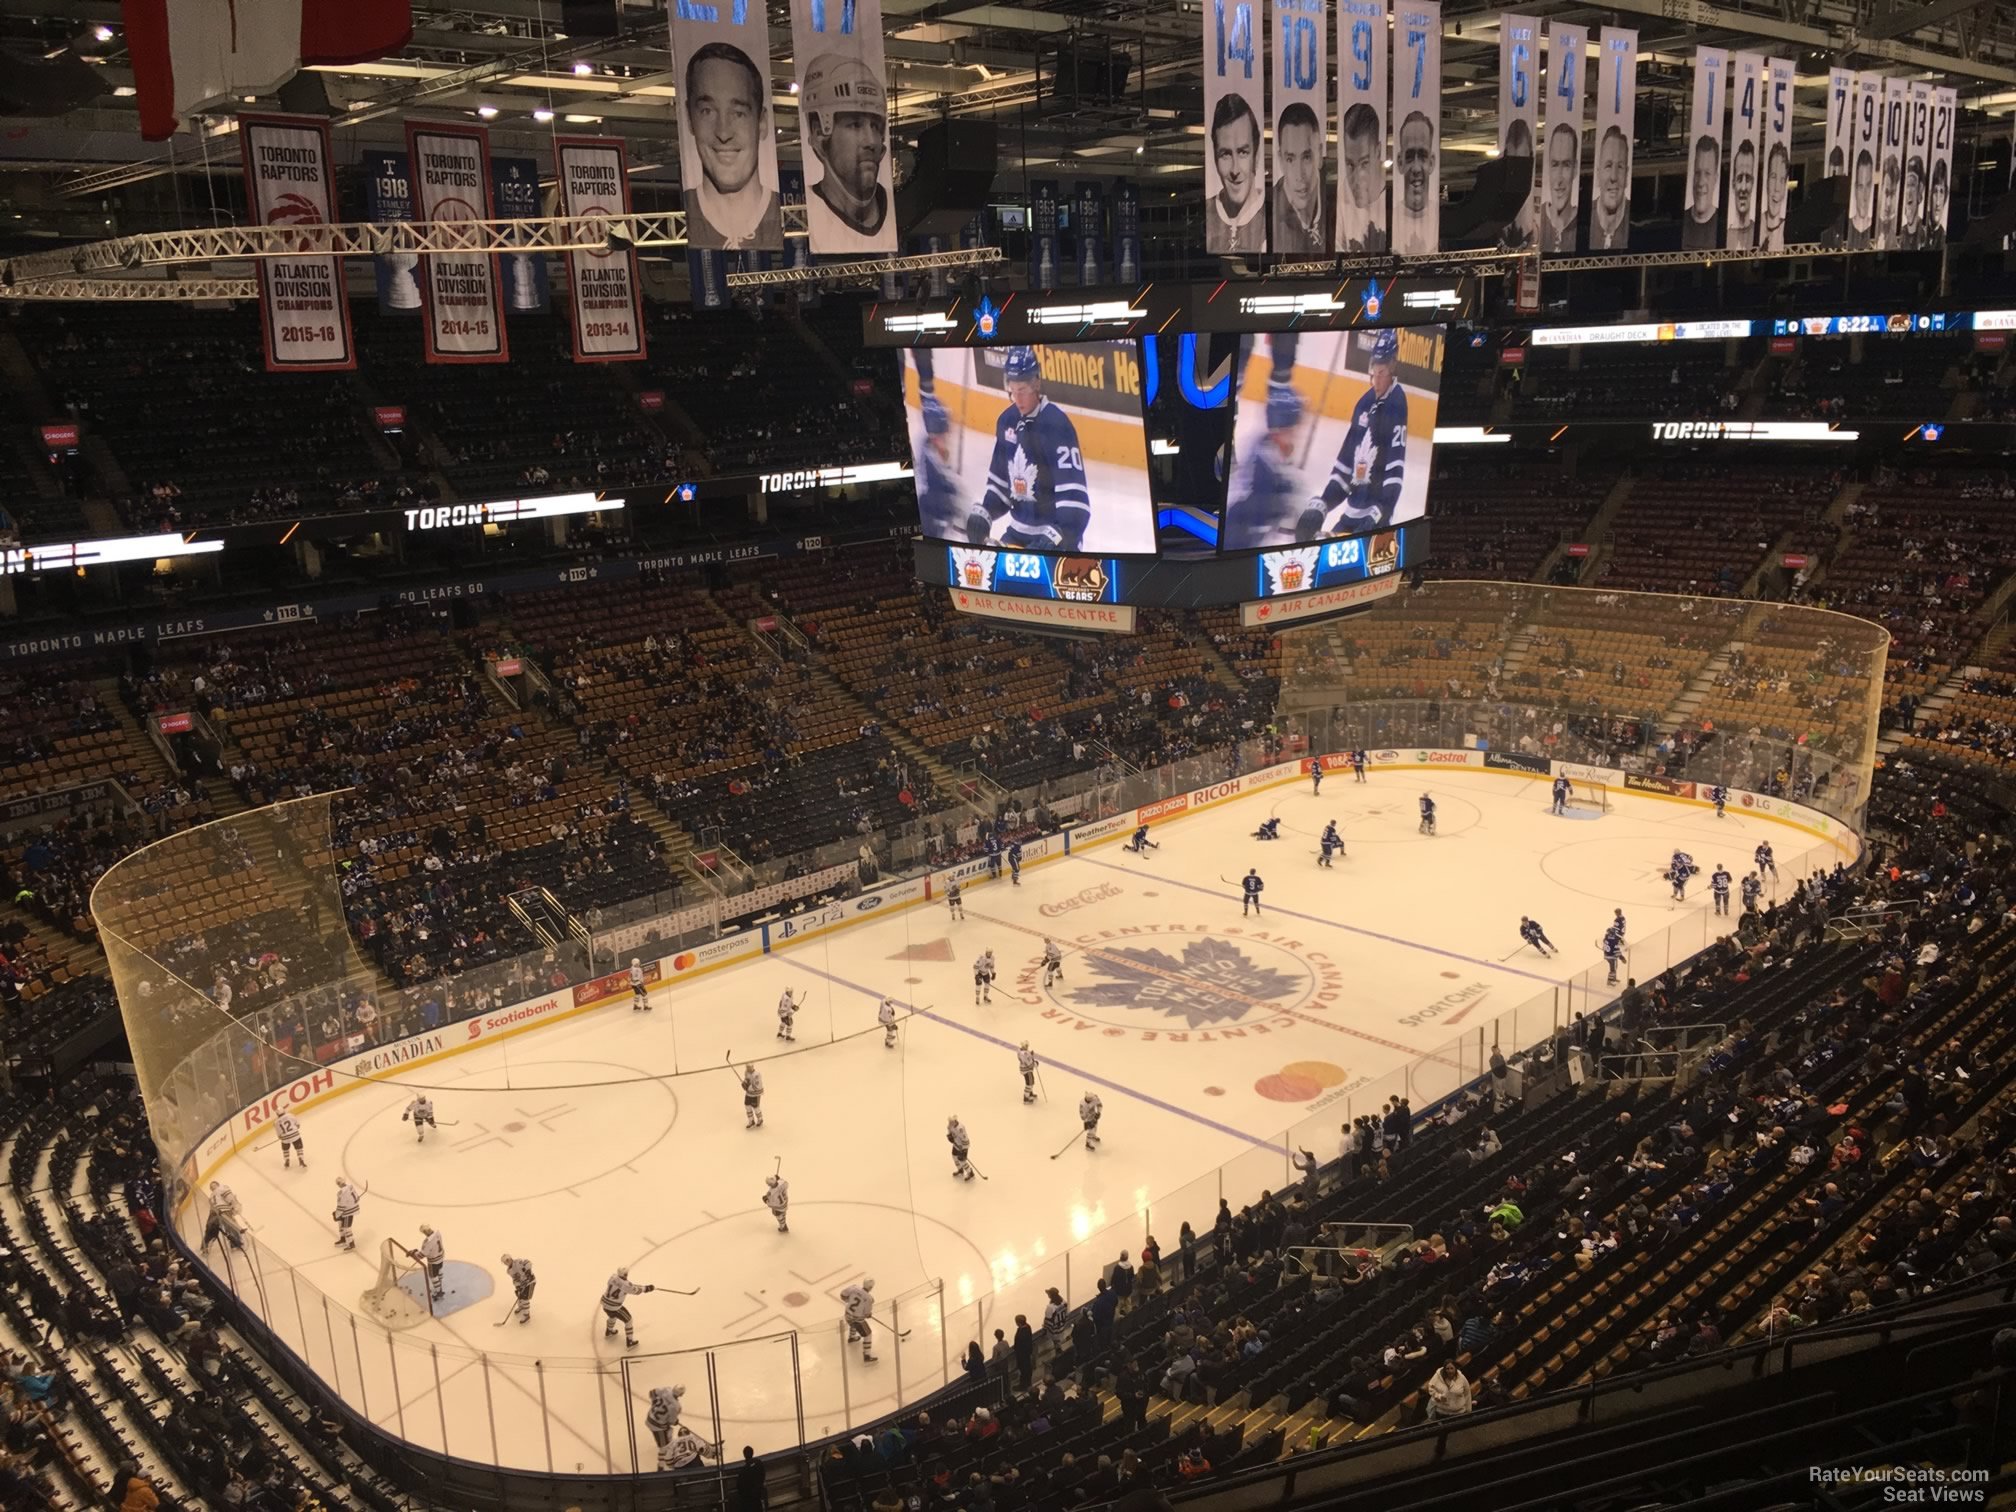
(1364, 42)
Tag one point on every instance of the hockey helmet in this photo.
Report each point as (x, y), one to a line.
(1019, 365)
(426, 1228)
(1025, 1046)
(507, 1260)
(770, 1181)
(215, 1184)
(634, 961)
(1386, 347)
(937, 418)
(837, 85)
(623, 1271)
(867, 1283)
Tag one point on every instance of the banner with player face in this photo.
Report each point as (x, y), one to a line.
(1032, 448)
(1917, 164)
(1364, 41)
(1777, 159)
(1746, 141)
(1301, 31)
(1616, 118)
(515, 182)
(461, 300)
(1890, 160)
(727, 139)
(1865, 147)
(843, 118)
(1702, 201)
(1518, 110)
(1417, 126)
(1331, 434)
(608, 303)
(1840, 121)
(304, 317)
(1235, 103)
(1561, 139)
(1939, 186)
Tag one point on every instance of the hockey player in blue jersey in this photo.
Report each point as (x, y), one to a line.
(1720, 795)
(1562, 788)
(1682, 868)
(1365, 480)
(1331, 841)
(1015, 863)
(941, 507)
(1613, 952)
(1249, 891)
(1270, 829)
(1358, 764)
(1617, 923)
(1141, 844)
(1266, 495)
(1427, 825)
(992, 845)
(1765, 861)
(1316, 778)
(1718, 884)
(1037, 496)
(1534, 935)
(1752, 890)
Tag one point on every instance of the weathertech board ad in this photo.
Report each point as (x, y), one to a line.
(1332, 434)
(608, 304)
(461, 299)
(304, 315)
(1036, 448)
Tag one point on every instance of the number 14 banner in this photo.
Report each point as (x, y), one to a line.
(1235, 103)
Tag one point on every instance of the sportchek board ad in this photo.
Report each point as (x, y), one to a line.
(304, 315)
(1332, 435)
(461, 298)
(608, 302)
(1035, 448)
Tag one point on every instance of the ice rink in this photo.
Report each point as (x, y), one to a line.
(1210, 1036)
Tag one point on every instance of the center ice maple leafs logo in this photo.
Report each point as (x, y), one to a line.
(1212, 982)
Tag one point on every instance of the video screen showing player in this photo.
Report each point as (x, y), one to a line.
(1332, 434)
(1035, 448)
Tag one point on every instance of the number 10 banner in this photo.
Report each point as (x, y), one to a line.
(1301, 30)
(461, 299)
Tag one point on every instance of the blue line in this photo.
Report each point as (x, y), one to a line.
(1370, 934)
(1110, 1086)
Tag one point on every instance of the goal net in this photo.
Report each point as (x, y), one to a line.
(1590, 795)
(400, 1297)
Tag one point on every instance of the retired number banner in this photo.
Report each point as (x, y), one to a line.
(843, 121)
(608, 303)
(303, 316)
(1917, 164)
(727, 138)
(1890, 161)
(1939, 195)
(1364, 42)
(1778, 78)
(1235, 148)
(1561, 139)
(1864, 149)
(1616, 118)
(1518, 112)
(1417, 126)
(1301, 126)
(1840, 120)
(461, 297)
(1703, 185)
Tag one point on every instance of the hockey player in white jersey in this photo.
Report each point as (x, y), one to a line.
(983, 978)
(619, 1290)
(685, 1449)
(1026, 1059)
(859, 1300)
(639, 998)
(420, 1113)
(886, 1017)
(955, 899)
(523, 1284)
(962, 1146)
(1089, 1109)
(288, 1128)
(1053, 961)
(787, 1011)
(348, 1200)
(777, 1198)
(225, 1220)
(663, 1417)
(433, 1253)
(752, 1096)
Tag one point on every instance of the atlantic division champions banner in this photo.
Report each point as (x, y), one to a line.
(1519, 111)
(1561, 139)
(461, 302)
(1235, 149)
(1746, 139)
(1778, 79)
(608, 303)
(1703, 183)
(1417, 126)
(843, 119)
(1616, 118)
(727, 138)
(1364, 42)
(1298, 205)
(304, 316)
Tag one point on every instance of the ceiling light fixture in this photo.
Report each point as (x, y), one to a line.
(542, 115)
(584, 69)
(488, 112)
(102, 33)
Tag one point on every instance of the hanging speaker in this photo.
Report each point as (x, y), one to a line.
(951, 180)
(1821, 214)
(1501, 187)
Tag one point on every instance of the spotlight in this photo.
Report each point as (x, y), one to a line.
(583, 69)
(542, 115)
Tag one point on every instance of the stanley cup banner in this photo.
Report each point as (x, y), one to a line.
(1126, 232)
(515, 185)
(1702, 187)
(1616, 119)
(1890, 161)
(1864, 148)
(1364, 41)
(1777, 157)
(843, 121)
(727, 138)
(1561, 129)
(1917, 164)
(1840, 120)
(388, 197)
(1301, 31)
(1939, 187)
(1518, 111)
(1235, 149)
(608, 302)
(1088, 220)
(461, 300)
(1746, 140)
(304, 317)
(1417, 127)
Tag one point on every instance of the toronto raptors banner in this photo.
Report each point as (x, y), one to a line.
(1890, 161)
(1417, 126)
(727, 139)
(608, 303)
(1939, 189)
(461, 300)
(304, 317)
(1364, 43)
(1235, 151)
(1840, 120)
(1746, 139)
(1301, 31)
(1561, 139)
(1863, 151)
(1518, 112)
(515, 183)
(843, 120)
(1616, 117)
(1917, 164)
(388, 197)
(1777, 159)
(1702, 185)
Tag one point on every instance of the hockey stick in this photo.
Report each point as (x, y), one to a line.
(780, 1166)
(675, 1291)
(977, 1171)
(507, 1314)
(1070, 1142)
(448, 1123)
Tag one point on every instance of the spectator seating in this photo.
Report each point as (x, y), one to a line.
(1705, 527)
(1671, 380)
(1910, 378)
(1501, 519)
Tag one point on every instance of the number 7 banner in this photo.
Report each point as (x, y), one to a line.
(1417, 129)
(1235, 103)
(1301, 31)
(1363, 44)
(1616, 115)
